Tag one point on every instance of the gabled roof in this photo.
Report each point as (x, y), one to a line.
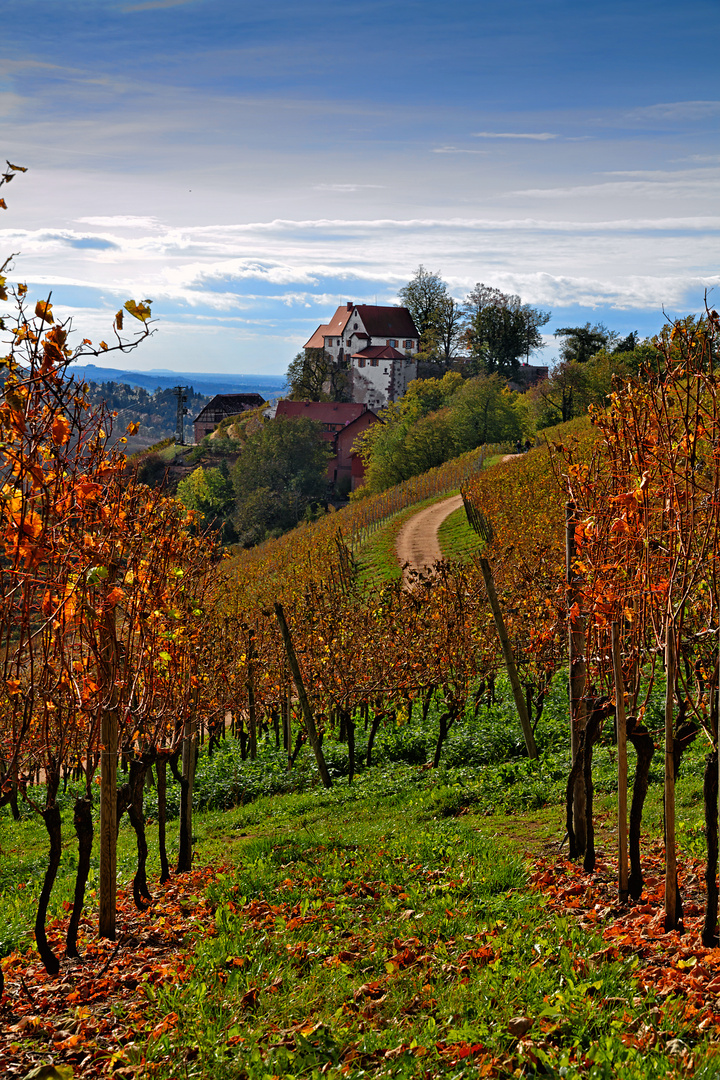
(334, 328)
(231, 404)
(324, 412)
(395, 322)
(380, 352)
(317, 341)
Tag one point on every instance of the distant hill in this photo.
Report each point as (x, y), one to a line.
(207, 383)
(155, 412)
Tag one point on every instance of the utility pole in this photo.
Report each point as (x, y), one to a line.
(179, 392)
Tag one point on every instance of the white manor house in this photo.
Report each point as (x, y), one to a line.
(377, 344)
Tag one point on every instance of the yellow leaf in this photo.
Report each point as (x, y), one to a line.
(119, 320)
(139, 311)
(43, 310)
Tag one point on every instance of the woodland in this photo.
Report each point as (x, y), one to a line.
(154, 413)
(282, 813)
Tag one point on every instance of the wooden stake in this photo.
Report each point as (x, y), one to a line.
(509, 659)
(188, 778)
(107, 900)
(252, 711)
(670, 854)
(622, 766)
(577, 676)
(302, 696)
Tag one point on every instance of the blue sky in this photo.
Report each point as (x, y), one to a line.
(251, 166)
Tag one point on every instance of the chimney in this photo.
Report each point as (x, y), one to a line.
(349, 306)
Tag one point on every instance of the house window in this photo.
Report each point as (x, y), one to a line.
(392, 342)
(374, 362)
(361, 362)
(355, 326)
(408, 343)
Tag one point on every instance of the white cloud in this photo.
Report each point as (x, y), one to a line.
(347, 187)
(148, 5)
(10, 103)
(677, 187)
(539, 136)
(676, 111)
(458, 150)
(121, 221)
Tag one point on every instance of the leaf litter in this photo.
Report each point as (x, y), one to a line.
(74, 1019)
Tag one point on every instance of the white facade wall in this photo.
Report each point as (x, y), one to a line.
(373, 385)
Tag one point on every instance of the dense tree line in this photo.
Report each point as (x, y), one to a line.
(156, 413)
(279, 479)
(491, 330)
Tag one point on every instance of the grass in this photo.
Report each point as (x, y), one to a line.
(384, 928)
(457, 539)
(377, 557)
(370, 933)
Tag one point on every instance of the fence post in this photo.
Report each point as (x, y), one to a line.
(577, 676)
(621, 724)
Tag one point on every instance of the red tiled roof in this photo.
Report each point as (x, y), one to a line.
(324, 412)
(394, 322)
(380, 352)
(317, 341)
(334, 328)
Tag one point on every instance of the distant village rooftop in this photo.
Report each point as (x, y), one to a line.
(219, 408)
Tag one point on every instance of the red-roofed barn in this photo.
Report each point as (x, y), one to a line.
(342, 422)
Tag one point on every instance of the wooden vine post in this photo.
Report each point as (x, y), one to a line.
(302, 696)
(184, 863)
(621, 723)
(577, 676)
(509, 659)
(107, 901)
(670, 853)
(483, 528)
(252, 709)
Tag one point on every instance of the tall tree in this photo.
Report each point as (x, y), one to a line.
(450, 330)
(501, 330)
(582, 342)
(280, 475)
(313, 375)
(438, 318)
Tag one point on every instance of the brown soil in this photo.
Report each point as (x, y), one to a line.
(417, 546)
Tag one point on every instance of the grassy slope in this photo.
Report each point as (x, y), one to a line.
(377, 558)
(384, 929)
(457, 539)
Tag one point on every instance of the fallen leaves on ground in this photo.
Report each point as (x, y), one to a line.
(70, 1020)
(677, 966)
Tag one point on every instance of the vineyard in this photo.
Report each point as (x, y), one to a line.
(146, 676)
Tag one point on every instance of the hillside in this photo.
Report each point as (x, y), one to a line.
(155, 412)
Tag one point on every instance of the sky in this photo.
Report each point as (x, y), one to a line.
(249, 167)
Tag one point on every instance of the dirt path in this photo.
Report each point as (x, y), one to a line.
(417, 542)
(417, 545)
